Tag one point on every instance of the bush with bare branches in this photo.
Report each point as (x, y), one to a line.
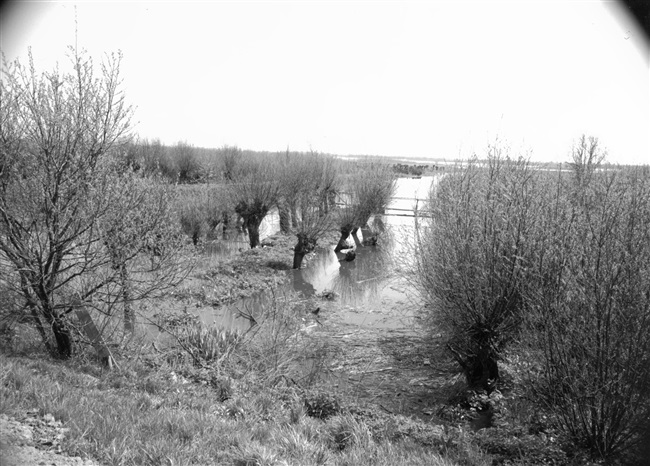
(74, 230)
(590, 303)
(472, 256)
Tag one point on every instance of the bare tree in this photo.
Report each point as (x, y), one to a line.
(312, 221)
(201, 209)
(374, 189)
(230, 157)
(370, 189)
(255, 189)
(67, 220)
(142, 241)
(187, 162)
(294, 173)
(586, 158)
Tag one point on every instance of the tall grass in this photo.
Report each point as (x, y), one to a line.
(137, 416)
(210, 343)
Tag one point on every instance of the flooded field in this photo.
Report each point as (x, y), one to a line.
(369, 292)
(364, 311)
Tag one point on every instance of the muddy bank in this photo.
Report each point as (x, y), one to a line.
(226, 278)
(362, 311)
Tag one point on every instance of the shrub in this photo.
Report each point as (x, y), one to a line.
(321, 405)
(471, 260)
(591, 304)
(346, 431)
(210, 344)
(276, 349)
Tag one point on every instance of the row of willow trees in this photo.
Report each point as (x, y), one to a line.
(312, 194)
(92, 222)
(554, 265)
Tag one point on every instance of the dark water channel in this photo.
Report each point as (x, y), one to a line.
(369, 292)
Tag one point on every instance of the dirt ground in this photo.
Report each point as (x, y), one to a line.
(383, 358)
(33, 440)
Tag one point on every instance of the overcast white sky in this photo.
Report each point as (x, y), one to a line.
(407, 78)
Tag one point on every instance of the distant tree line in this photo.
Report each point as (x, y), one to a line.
(411, 170)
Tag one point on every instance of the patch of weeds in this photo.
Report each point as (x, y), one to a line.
(223, 387)
(347, 431)
(293, 443)
(254, 454)
(152, 384)
(321, 404)
(278, 265)
(266, 406)
(235, 409)
(209, 343)
(515, 446)
(476, 408)
(297, 413)
(15, 378)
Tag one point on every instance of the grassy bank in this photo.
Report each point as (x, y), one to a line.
(267, 396)
(141, 415)
(253, 398)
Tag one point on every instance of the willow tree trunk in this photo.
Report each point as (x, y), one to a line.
(304, 246)
(61, 332)
(60, 328)
(342, 244)
(63, 337)
(481, 369)
(35, 314)
(252, 226)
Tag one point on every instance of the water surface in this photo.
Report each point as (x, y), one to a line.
(370, 291)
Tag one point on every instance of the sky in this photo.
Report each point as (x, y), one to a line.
(439, 79)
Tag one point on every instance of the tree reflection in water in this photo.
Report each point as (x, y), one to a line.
(357, 282)
(302, 286)
(360, 281)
